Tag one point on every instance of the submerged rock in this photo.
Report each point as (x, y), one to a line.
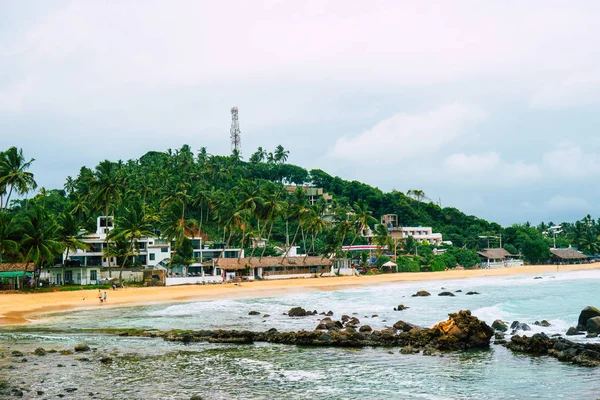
(254, 313)
(82, 347)
(587, 354)
(365, 328)
(472, 293)
(500, 325)
(297, 312)
(401, 307)
(519, 326)
(586, 313)
(421, 293)
(446, 294)
(543, 323)
(39, 352)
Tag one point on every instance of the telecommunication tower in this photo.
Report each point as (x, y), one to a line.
(236, 140)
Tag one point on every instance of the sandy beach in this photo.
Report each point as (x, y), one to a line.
(21, 308)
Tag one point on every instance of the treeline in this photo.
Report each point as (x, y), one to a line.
(227, 200)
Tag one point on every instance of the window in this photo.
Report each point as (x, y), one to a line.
(164, 249)
(93, 275)
(152, 256)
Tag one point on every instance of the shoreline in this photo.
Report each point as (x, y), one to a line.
(21, 308)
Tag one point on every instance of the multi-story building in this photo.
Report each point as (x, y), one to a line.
(417, 233)
(389, 220)
(312, 193)
(90, 266)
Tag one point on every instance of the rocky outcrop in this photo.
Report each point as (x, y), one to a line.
(593, 325)
(586, 313)
(39, 352)
(82, 347)
(461, 331)
(446, 294)
(297, 312)
(401, 307)
(500, 325)
(421, 293)
(472, 293)
(519, 326)
(573, 331)
(254, 313)
(542, 323)
(585, 354)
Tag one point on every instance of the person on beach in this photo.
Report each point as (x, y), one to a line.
(100, 295)
(105, 297)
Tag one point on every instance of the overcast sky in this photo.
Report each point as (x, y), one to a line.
(492, 107)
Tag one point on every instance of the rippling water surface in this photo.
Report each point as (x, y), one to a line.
(145, 368)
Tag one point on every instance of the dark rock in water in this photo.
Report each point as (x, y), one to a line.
(421, 293)
(461, 331)
(272, 330)
(39, 392)
(458, 291)
(66, 352)
(591, 335)
(519, 326)
(321, 327)
(326, 320)
(409, 350)
(374, 316)
(499, 335)
(254, 313)
(593, 325)
(587, 354)
(472, 293)
(354, 321)
(266, 315)
(404, 326)
(196, 397)
(345, 318)
(543, 323)
(500, 325)
(500, 341)
(82, 347)
(365, 328)
(401, 307)
(39, 352)
(297, 312)
(106, 360)
(16, 353)
(586, 313)
(329, 313)
(538, 277)
(572, 331)
(446, 294)
(17, 393)
(338, 324)
(70, 390)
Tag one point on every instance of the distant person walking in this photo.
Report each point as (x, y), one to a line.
(105, 297)
(100, 295)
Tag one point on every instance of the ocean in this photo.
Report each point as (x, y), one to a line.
(150, 368)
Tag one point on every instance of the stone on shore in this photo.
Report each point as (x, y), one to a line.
(365, 328)
(585, 315)
(39, 352)
(82, 347)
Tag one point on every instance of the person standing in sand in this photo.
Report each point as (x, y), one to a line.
(105, 297)
(100, 295)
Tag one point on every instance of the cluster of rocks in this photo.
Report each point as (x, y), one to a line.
(461, 331)
(585, 354)
(301, 312)
(589, 321)
(425, 293)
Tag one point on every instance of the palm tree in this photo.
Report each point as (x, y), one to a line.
(382, 239)
(9, 232)
(174, 225)
(259, 156)
(14, 174)
(280, 155)
(40, 242)
(132, 226)
(69, 234)
(273, 207)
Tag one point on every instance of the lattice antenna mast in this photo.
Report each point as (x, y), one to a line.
(236, 140)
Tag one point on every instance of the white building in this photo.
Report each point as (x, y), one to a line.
(417, 233)
(89, 266)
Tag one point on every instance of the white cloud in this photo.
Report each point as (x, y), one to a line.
(12, 98)
(409, 135)
(570, 161)
(559, 202)
(579, 88)
(488, 168)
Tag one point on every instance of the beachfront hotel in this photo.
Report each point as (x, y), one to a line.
(90, 266)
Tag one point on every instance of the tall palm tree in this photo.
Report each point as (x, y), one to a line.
(9, 232)
(280, 155)
(174, 225)
(273, 207)
(69, 234)
(14, 175)
(40, 242)
(132, 226)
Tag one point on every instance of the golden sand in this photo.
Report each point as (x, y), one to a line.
(21, 308)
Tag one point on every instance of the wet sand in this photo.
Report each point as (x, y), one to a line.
(21, 308)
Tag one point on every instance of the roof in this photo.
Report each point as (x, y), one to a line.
(10, 267)
(257, 262)
(494, 254)
(568, 254)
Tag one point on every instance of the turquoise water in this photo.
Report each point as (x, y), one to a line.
(153, 369)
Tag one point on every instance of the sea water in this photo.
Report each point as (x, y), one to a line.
(146, 368)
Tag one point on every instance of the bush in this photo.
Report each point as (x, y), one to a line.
(438, 264)
(406, 264)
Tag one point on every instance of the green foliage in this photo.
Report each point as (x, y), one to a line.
(438, 264)
(535, 251)
(510, 248)
(382, 260)
(406, 264)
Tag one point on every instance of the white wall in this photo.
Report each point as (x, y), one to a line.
(191, 280)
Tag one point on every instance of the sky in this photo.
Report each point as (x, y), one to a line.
(491, 107)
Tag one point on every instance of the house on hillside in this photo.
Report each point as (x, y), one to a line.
(313, 194)
(567, 256)
(418, 233)
(274, 267)
(498, 258)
